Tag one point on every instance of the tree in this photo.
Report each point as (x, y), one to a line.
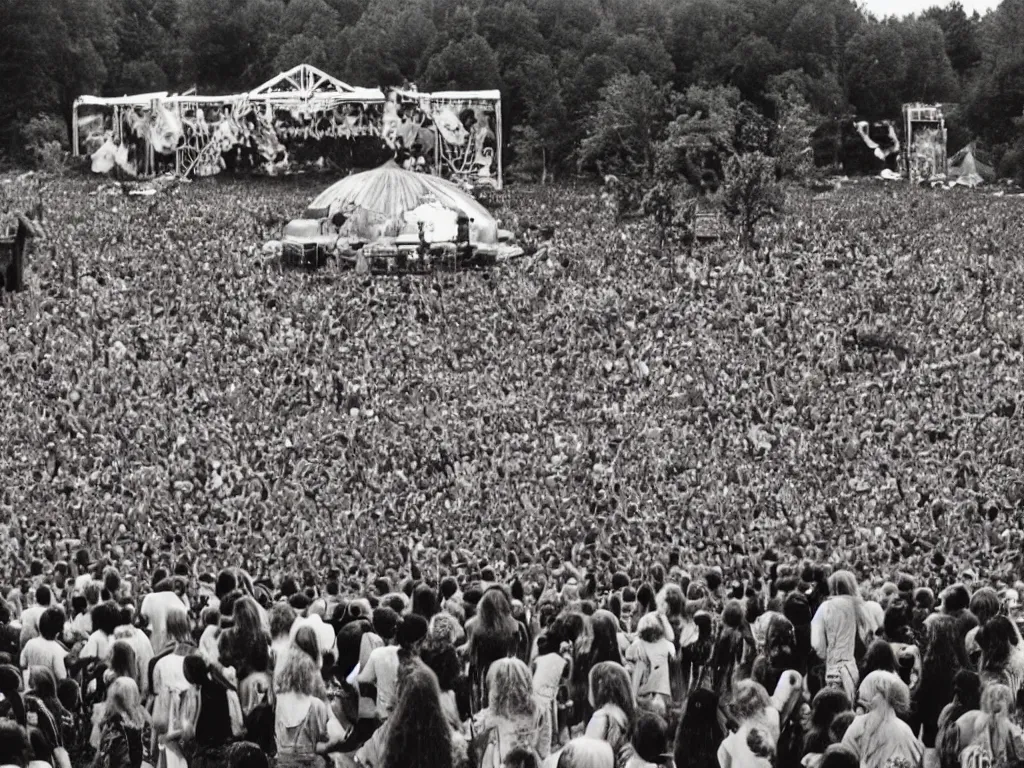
(812, 40)
(467, 64)
(877, 71)
(791, 140)
(87, 47)
(752, 193)
(960, 34)
(930, 76)
(626, 123)
(640, 54)
(231, 44)
(540, 131)
(31, 32)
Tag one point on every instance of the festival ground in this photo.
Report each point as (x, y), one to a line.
(849, 393)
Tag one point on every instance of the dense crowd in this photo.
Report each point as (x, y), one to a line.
(658, 454)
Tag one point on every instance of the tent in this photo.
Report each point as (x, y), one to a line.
(389, 201)
(966, 169)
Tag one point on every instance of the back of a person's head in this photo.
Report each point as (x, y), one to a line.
(749, 699)
(195, 670)
(985, 604)
(827, 703)
(245, 754)
(838, 756)
(840, 723)
(967, 688)
(886, 687)
(385, 622)
(609, 684)
(43, 596)
(449, 586)
(650, 737)
(585, 752)
(956, 598)
(93, 592)
(411, 630)
(226, 583)
(521, 757)
(879, 657)
(51, 623)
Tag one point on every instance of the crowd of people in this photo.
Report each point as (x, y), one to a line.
(586, 668)
(599, 431)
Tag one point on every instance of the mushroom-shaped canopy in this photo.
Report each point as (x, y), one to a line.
(389, 201)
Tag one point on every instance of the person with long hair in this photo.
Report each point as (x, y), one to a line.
(985, 606)
(168, 684)
(248, 641)
(124, 719)
(838, 626)
(778, 654)
(605, 643)
(492, 634)
(826, 704)
(514, 717)
(991, 729)
(945, 656)
(439, 654)
(966, 698)
(301, 713)
(735, 649)
(209, 719)
(1002, 654)
(879, 735)
(611, 698)
(419, 734)
(649, 658)
(699, 733)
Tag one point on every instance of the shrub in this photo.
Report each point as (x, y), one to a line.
(45, 142)
(752, 192)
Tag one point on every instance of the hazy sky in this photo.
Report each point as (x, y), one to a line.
(903, 7)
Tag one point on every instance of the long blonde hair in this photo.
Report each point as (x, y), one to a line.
(124, 699)
(299, 674)
(510, 689)
(997, 703)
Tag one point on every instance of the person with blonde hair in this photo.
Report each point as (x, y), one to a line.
(123, 722)
(649, 658)
(583, 752)
(168, 685)
(837, 626)
(513, 717)
(879, 735)
(754, 709)
(990, 730)
(301, 713)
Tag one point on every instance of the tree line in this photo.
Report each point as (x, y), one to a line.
(557, 62)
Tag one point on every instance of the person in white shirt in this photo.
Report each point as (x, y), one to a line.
(30, 616)
(82, 623)
(45, 651)
(382, 667)
(155, 607)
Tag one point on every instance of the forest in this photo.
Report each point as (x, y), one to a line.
(565, 67)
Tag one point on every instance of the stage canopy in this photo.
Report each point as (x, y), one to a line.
(300, 117)
(389, 201)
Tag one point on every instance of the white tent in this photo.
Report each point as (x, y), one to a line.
(967, 170)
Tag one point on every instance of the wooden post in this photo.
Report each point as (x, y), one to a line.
(74, 129)
(498, 139)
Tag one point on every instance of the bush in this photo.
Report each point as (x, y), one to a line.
(45, 142)
(752, 192)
